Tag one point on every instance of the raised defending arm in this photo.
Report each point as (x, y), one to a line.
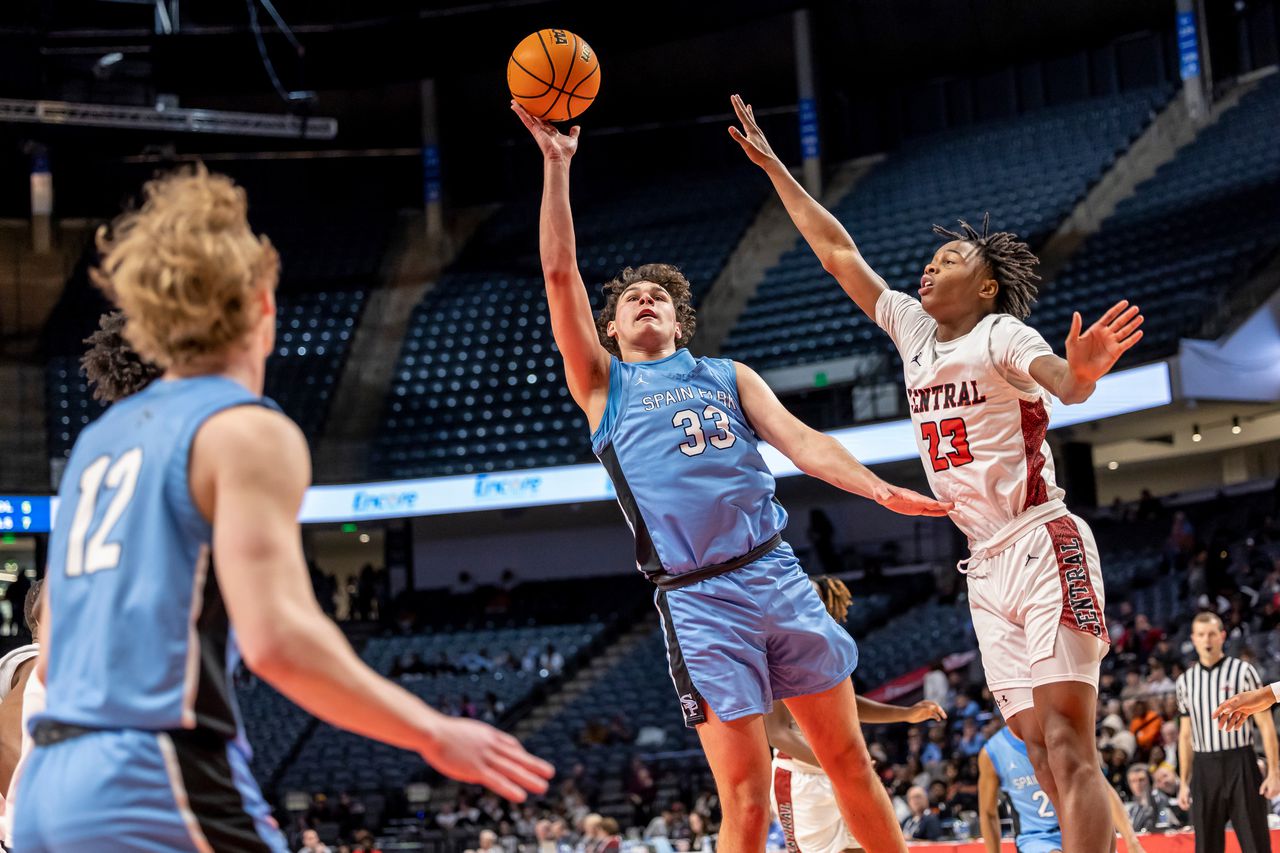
(829, 239)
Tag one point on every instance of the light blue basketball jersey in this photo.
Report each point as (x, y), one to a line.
(685, 463)
(139, 637)
(1034, 818)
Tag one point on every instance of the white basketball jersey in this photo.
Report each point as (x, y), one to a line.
(978, 416)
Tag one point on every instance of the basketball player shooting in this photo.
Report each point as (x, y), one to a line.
(679, 437)
(978, 383)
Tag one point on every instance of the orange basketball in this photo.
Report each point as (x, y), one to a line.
(553, 74)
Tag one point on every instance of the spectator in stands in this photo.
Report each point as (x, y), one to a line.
(550, 662)
(1168, 783)
(464, 585)
(1145, 725)
(1133, 686)
(1115, 733)
(922, 825)
(550, 836)
(1181, 542)
(448, 817)
(365, 842)
(965, 708)
(971, 738)
(611, 836)
(936, 687)
(641, 792)
(937, 792)
(488, 842)
(1159, 684)
(311, 843)
(671, 824)
(935, 750)
(493, 708)
(1148, 506)
(1148, 808)
(697, 830)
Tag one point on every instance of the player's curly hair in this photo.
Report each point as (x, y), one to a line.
(114, 369)
(185, 267)
(665, 275)
(1011, 261)
(835, 596)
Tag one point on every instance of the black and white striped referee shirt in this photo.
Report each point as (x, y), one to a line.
(1202, 688)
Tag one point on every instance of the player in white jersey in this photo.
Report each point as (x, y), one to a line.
(802, 795)
(979, 383)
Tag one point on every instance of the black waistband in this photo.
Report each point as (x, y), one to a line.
(50, 732)
(666, 581)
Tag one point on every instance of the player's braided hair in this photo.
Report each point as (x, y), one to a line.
(31, 606)
(835, 596)
(114, 368)
(670, 279)
(1011, 261)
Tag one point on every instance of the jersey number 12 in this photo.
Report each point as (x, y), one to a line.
(88, 553)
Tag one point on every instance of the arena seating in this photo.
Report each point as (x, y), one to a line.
(273, 725)
(1028, 172)
(1190, 234)
(334, 760)
(328, 264)
(479, 386)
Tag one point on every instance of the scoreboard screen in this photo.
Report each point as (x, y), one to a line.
(25, 514)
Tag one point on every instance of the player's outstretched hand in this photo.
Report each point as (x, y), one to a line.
(751, 138)
(477, 753)
(1095, 352)
(554, 144)
(1236, 711)
(906, 502)
(922, 711)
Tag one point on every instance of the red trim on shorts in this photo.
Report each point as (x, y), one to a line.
(1080, 606)
(786, 809)
(1035, 420)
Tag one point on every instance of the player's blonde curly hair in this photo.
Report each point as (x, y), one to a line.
(185, 267)
(835, 596)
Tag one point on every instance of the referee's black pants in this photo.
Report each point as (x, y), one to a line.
(1224, 786)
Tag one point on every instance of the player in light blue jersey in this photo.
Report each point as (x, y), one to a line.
(680, 439)
(140, 744)
(1003, 767)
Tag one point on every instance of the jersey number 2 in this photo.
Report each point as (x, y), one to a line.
(954, 429)
(1046, 807)
(95, 554)
(691, 423)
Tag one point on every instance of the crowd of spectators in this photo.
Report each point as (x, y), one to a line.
(1231, 566)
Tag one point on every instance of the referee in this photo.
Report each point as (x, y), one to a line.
(1226, 784)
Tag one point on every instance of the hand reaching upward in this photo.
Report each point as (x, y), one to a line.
(1092, 354)
(751, 138)
(556, 146)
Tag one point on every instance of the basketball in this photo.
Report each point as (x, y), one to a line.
(553, 74)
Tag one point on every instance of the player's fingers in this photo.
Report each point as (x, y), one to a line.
(1124, 317)
(502, 786)
(738, 109)
(518, 774)
(1113, 312)
(532, 763)
(1076, 322)
(1130, 342)
(574, 131)
(1130, 326)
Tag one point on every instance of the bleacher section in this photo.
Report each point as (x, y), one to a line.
(479, 386)
(334, 760)
(1188, 236)
(1029, 172)
(273, 726)
(329, 262)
